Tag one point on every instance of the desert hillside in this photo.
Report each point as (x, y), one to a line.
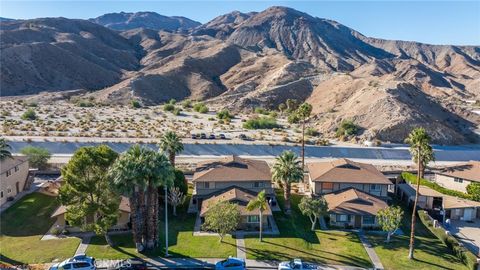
(247, 60)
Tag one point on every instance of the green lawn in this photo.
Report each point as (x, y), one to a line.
(297, 241)
(22, 226)
(430, 252)
(182, 243)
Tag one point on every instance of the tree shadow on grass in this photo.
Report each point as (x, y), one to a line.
(11, 261)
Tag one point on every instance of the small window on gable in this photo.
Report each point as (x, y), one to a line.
(16, 168)
(9, 172)
(257, 184)
(206, 184)
(458, 180)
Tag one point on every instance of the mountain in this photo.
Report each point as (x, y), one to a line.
(54, 54)
(151, 20)
(241, 61)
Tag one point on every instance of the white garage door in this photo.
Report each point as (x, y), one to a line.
(468, 214)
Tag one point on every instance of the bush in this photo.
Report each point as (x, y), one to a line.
(168, 107)
(224, 115)
(200, 107)
(135, 104)
(172, 101)
(85, 103)
(37, 156)
(186, 104)
(176, 111)
(311, 132)
(56, 231)
(347, 128)
(293, 118)
(180, 181)
(467, 257)
(260, 110)
(261, 123)
(412, 179)
(29, 115)
(323, 142)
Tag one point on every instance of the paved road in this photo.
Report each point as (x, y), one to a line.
(442, 154)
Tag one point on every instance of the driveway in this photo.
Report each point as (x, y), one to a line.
(468, 233)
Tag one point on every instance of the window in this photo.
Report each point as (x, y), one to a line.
(206, 184)
(9, 172)
(342, 218)
(258, 184)
(1, 194)
(253, 219)
(374, 187)
(9, 190)
(16, 168)
(81, 265)
(327, 185)
(367, 220)
(458, 180)
(66, 266)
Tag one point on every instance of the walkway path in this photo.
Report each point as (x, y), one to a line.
(370, 251)
(241, 250)
(82, 248)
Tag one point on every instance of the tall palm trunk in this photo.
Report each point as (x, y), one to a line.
(155, 220)
(412, 229)
(171, 157)
(261, 225)
(142, 225)
(151, 216)
(137, 219)
(286, 195)
(303, 146)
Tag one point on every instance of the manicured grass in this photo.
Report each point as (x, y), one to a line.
(298, 241)
(182, 243)
(22, 226)
(430, 252)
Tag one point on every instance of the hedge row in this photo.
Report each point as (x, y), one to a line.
(467, 257)
(412, 179)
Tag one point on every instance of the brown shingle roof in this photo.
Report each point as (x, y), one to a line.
(9, 163)
(232, 168)
(451, 202)
(423, 191)
(345, 171)
(234, 195)
(469, 171)
(124, 206)
(353, 202)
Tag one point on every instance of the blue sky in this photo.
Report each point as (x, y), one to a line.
(435, 22)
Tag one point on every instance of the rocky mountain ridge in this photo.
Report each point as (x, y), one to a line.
(247, 60)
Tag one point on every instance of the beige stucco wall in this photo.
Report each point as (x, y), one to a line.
(317, 188)
(448, 182)
(243, 224)
(10, 183)
(216, 186)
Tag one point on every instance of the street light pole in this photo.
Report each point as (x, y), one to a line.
(166, 223)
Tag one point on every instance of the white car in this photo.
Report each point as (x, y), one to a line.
(296, 264)
(78, 262)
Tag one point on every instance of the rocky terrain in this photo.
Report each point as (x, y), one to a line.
(247, 60)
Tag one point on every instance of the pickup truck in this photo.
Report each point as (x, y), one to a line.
(296, 264)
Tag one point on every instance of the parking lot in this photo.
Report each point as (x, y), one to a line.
(468, 233)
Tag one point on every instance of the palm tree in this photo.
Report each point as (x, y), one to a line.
(172, 144)
(303, 113)
(137, 173)
(287, 170)
(127, 178)
(5, 149)
(422, 153)
(261, 204)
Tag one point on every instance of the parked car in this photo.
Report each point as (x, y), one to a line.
(79, 262)
(242, 136)
(212, 137)
(194, 136)
(222, 136)
(203, 136)
(296, 264)
(231, 263)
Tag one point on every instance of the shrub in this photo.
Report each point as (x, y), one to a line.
(32, 104)
(176, 111)
(56, 231)
(135, 104)
(260, 110)
(168, 107)
(172, 101)
(224, 115)
(346, 128)
(200, 107)
(186, 104)
(29, 115)
(261, 123)
(85, 103)
(311, 132)
(37, 156)
(412, 179)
